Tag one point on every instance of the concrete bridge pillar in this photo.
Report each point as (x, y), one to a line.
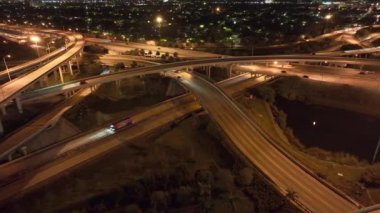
(60, 74)
(77, 61)
(68, 94)
(208, 71)
(3, 109)
(43, 81)
(19, 105)
(70, 68)
(229, 70)
(1, 127)
(24, 150)
(118, 84)
(10, 156)
(55, 75)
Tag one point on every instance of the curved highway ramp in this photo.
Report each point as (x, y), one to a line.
(255, 147)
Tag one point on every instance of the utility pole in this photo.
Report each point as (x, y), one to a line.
(377, 149)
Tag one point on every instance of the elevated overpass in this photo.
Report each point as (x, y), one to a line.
(11, 90)
(322, 75)
(245, 135)
(158, 115)
(258, 149)
(35, 63)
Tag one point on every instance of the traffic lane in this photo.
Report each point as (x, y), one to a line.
(23, 164)
(223, 117)
(240, 131)
(52, 152)
(122, 47)
(20, 137)
(337, 76)
(312, 69)
(229, 122)
(54, 169)
(17, 85)
(10, 171)
(182, 65)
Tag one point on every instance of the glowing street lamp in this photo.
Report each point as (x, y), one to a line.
(6, 66)
(159, 19)
(328, 16)
(36, 39)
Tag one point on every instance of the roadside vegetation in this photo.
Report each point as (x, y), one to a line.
(164, 57)
(355, 176)
(185, 169)
(110, 102)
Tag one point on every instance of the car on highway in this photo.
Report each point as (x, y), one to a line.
(83, 82)
(366, 72)
(121, 124)
(178, 77)
(305, 76)
(283, 71)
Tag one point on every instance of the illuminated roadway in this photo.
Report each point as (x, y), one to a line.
(122, 47)
(31, 129)
(17, 85)
(244, 134)
(254, 146)
(42, 59)
(249, 140)
(155, 117)
(69, 86)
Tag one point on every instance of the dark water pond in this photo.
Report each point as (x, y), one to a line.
(334, 129)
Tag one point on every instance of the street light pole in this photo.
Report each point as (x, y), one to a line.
(159, 21)
(36, 39)
(6, 66)
(377, 149)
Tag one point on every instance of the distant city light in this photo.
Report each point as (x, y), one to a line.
(159, 19)
(35, 39)
(328, 16)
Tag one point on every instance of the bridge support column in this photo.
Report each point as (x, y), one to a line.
(208, 71)
(41, 82)
(19, 105)
(229, 70)
(10, 156)
(1, 127)
(60, 74)
(24, 150)
(77, 61)
(70, 68)
(3, 109)
(118, 84)
(67, 95)
(44, 81)
(55, 75)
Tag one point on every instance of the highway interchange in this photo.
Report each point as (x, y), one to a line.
(245, 136)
